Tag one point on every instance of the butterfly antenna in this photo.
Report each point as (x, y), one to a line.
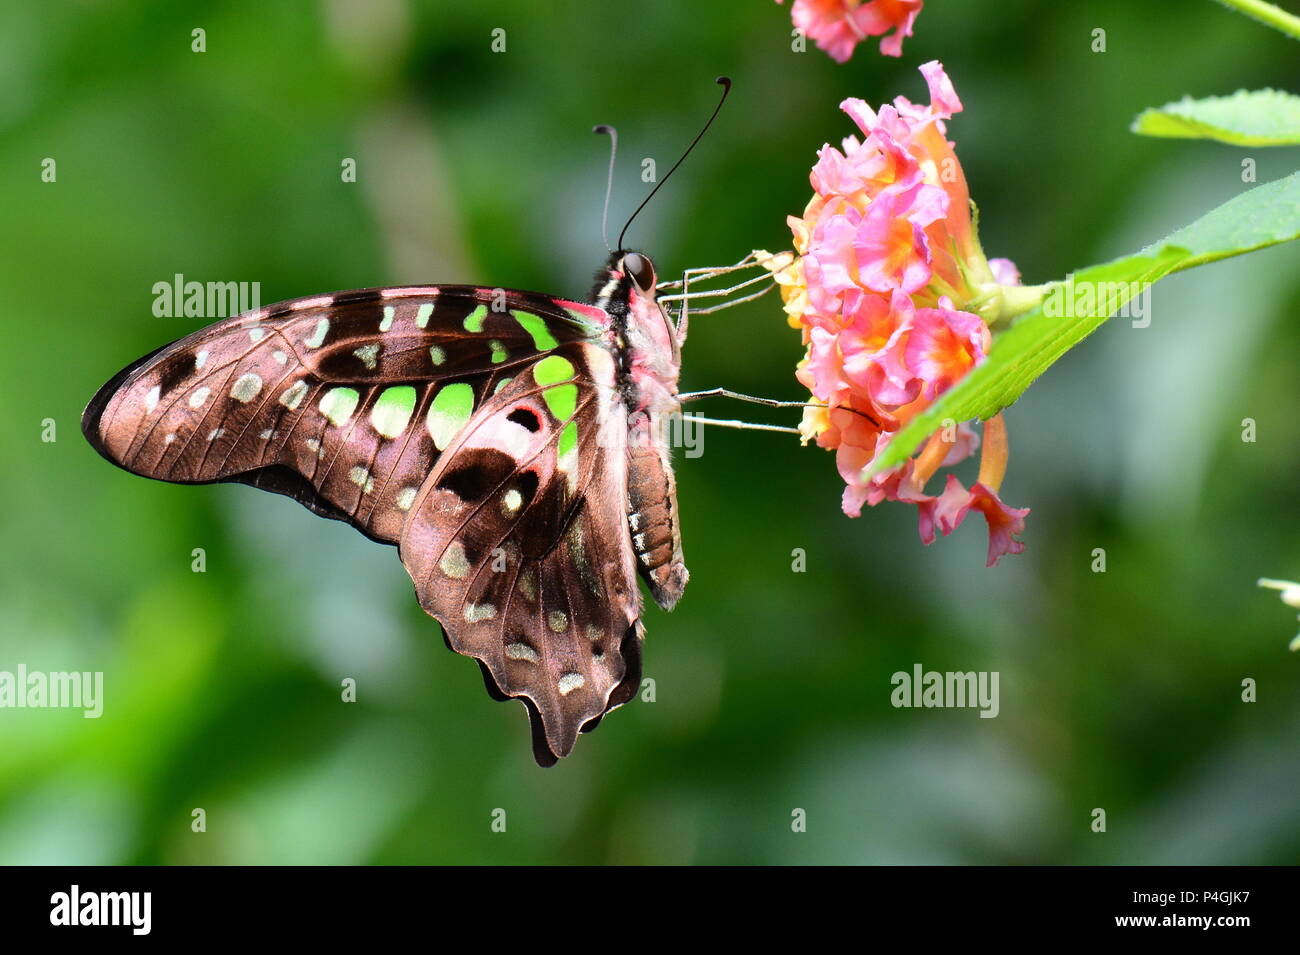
(612, 133)
(726, 88)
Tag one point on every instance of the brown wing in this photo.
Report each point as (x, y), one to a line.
(518, 545)
(343, 402)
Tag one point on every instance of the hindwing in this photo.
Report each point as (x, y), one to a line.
(517, 543)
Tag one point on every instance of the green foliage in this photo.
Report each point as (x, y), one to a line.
(1269, 14)
(1246, 118)
(222, 689)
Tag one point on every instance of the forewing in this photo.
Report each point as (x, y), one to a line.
(518, 545)
(344, 402)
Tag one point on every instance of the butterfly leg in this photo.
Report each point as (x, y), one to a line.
(704, 273)
(741, 425)
(707, 272)
(744, 425)
(686, 295)
(753, 399)
(733, 302)
(686, 396)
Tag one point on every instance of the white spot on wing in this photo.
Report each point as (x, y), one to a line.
(246, 387)
(293, 395)
(570, 682)
(368, 354)
(477, 612)
(361, 478)
(453, 562)
(521, 651)
(318, 335)
(199, 397)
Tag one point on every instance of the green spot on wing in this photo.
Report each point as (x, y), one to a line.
(448, 412)
(535, 325)
(562, 400)
(568, 439)
(337, 405)
(392, 410)
(499, 353)
(552, 370)
(474, 320)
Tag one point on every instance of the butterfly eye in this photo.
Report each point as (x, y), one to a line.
(640, 269)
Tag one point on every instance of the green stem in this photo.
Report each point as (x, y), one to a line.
(1000, 305)
(1268, 14)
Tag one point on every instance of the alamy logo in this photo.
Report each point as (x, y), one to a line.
(75, 907)
(58, 689)
(932, 688)
(1071, 299)
(640, 429)
(181, 299)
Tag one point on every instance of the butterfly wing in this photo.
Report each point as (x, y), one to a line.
(343, 402)
(518, 544)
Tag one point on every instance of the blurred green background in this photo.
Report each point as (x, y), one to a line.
(1119, 690)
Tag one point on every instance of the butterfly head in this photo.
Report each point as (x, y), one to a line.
(643, 330)
(625, 288)
(625, 275)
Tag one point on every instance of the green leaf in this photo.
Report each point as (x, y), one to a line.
(1268, 14)
(1073, 309)
(1246, 118)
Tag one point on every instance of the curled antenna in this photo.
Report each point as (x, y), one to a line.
(726, 88)
(612, 133)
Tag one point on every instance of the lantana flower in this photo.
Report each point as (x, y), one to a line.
(895, 299)
(837, 26)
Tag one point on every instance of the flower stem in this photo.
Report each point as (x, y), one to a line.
(1268, 14)
(1000, 305)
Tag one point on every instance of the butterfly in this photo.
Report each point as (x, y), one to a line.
(509, 443)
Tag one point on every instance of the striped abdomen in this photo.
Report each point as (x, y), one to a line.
(653, 524)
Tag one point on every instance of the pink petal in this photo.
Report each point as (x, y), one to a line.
(1004, 271)
(943, 97)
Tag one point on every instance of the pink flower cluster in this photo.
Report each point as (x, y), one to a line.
(837, 26)
(887, 260)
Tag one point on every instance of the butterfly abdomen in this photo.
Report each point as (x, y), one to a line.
(652, 522)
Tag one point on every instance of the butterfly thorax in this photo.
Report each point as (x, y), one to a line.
(642, 339)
